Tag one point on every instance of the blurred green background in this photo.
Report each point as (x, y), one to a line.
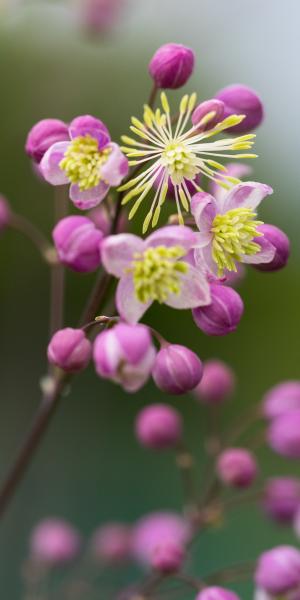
(89, 468)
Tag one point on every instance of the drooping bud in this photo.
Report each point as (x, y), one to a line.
(70, 350)
(281, 498)
(111, 543)
(283, 434)
(281, 243)
(223, 314)
(171, 66)
(217, 383)
(125, 354)
(43, 135)
(242, 100)
(207, 114)
(177, 369)
(98, 16)
(5, 213)
(167, 558)
(236, 467)
(278, 570)
(158, 426)
(77, 241)
(281, 399)
(54, 542)
(216, 593)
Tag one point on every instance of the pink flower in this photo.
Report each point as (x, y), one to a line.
(154, 269)
(89, 161)
(228, 229)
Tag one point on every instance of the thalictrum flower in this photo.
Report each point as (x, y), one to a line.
(89, 161)
(154, 269)
(170, 153)
(228, 228)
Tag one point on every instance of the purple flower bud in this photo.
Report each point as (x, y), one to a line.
(281, 498)
(204, 109)
(158, 426)
(111, 543)
(43, 135)
(281, 398)
(278, 570)
(177, 369)
(283, 434)
(77, 241)
(223, 314)
(172, 65)
(217, 383)
(70, 350)
(216, 593)
(281, 243)
(242, 100)
(158, 530)
(168, 558)
(5, 213)
(99, 16)
(125, 354)
(236, 467)
(54, 542)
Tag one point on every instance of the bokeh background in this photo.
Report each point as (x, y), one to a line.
(89, 468)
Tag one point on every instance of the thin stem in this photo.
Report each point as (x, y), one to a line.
(152, 96)
(57, 287)
(23, 225)
(240, 571)
(185, 464)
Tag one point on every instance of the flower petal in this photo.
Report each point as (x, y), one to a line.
(194, 291)
(129, 307)
(86, 199)
(172, 235)
(204, 260)
(88, 125)
(116, 166)
(50, 162)
(237, 170)
(265, 255)
(204, 210)
(117, 252)
(246, 195)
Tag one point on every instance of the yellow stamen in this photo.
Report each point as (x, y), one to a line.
(83, 160)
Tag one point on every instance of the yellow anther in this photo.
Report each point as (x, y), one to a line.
(82, 162)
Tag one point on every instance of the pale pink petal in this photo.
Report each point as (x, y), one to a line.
(194, 290)
(117, 252)
(204, 210)
(246, 195)
(86, 199)
(128, 306)
(132, 377)
(116, 166)
(204, 260)
(50, 162)
(238, 170)
(172, 235)
(265, 255)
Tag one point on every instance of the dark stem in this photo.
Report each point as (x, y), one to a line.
(233, 573)
(20, 223)
(57, 286)
(152, 96)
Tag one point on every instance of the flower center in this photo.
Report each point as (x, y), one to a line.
(157, 273)
(233, 237)
(83, 160)
(180, 162)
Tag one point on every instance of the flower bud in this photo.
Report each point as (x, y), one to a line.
(236, 467)
(125, 354)
(203, 109)
(281, 498)
(43, 135)
(278, 570)
(283, 434)
(158, 426)
(223, 314)
(70, 350)
(159, 530)
(111, 543)
(281, 243)
(281, 398)
(172, 65)
(77, 241)
(177, 369)
(168, 558)
(103, 220)
(99, 16)
(54, 542)
(216, 593)
(242, 100)
(217, 383)
(5, 213)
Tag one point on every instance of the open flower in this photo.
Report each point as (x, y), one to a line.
(170, 153)
(228, 228)
(154, 269)
(89, 161)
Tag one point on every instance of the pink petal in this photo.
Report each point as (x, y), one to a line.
(86, 199)
(88, 125)
(172, 235)
(117, 252)
(265, 255)
(204, 260)
(128, 306)
(246, 195)
(237, 170)
(194, 291)
(204, 210)
(116, 166)
(49, 164)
